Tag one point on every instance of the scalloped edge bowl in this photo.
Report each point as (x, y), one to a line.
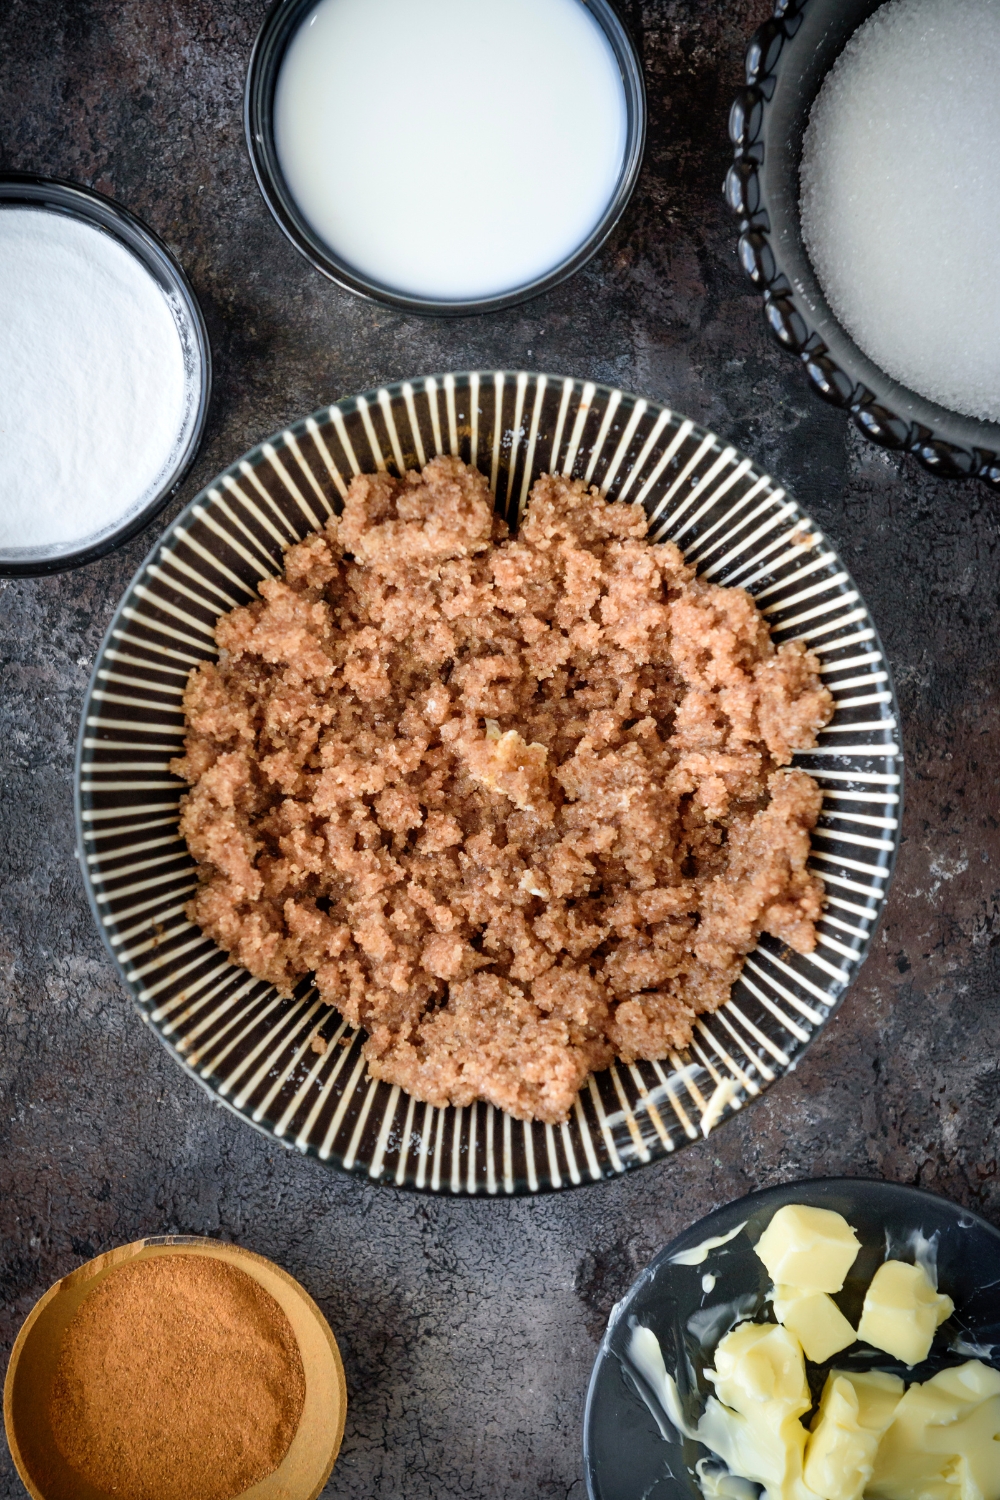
(786, 62)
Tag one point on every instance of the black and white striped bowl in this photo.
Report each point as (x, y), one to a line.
(250, 1047)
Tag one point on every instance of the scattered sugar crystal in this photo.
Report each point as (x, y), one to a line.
(901, 196)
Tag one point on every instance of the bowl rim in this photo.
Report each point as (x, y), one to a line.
(120, 1255)
(718, 1221)
(773, 256)
(57, 194)
(364, 402)
(279, 26)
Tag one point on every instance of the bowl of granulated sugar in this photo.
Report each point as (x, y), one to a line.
(175, 1369)
(865, 173)
(106, 375)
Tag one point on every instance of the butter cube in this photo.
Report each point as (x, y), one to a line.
(970, 1448)
(944, 1441)
(754, 1426)
(902, 1312)
(815, 1320)
(854, 1412)
(760, 1364)
(879, 1395)
(767, 1449)
(809, 1248)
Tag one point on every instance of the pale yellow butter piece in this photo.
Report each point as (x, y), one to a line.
(760, 1364)
(755, 1426)
(854, 1412)
(809, 1248)
(902, 1312)
(768, 1450)
(878, 1393)
(944, 1441)
(815, 1320)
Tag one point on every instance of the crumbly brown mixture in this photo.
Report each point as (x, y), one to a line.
(516, 801)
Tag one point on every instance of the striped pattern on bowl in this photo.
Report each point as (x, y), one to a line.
(251, 1048)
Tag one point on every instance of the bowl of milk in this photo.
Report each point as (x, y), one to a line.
(866, 141)
(444, 157)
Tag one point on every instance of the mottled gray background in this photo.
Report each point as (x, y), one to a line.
(468, 1329)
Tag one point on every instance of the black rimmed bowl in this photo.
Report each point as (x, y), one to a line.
(786, 63)
(23, 190)
(253, 1049)
(632, 1452)
(283, 21)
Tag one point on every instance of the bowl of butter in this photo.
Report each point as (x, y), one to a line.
(825, 1340)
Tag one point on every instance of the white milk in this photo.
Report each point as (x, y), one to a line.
(451, 149)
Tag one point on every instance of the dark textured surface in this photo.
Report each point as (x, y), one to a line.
(468, 1329)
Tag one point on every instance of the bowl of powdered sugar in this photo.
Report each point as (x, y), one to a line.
(106, 375)
(866, 143)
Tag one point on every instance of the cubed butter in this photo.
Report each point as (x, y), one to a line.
(854, 1412)
(815, 1320)
(755, 1426)
(768, 1450)
(944, 1440)
(760, 1364)
(811, 1249)
(879, 1394)
(902, 1312)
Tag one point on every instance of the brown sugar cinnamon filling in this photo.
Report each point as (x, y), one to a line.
(516, 801)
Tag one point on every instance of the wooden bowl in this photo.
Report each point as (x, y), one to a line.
(306, 1466)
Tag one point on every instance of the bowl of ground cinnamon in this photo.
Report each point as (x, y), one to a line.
(175, 1369)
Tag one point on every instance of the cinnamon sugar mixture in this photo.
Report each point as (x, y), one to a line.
(516, 801)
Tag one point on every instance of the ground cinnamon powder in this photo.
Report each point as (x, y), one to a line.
(179, 1378)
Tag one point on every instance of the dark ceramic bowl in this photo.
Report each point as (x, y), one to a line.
(786, 63)
(23, 190)
(252, 1048)
(630, 1454)
(284, 20)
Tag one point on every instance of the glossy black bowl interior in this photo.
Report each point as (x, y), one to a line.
(27, 191)
(269, 50)
(631, 1455)
(787, 60)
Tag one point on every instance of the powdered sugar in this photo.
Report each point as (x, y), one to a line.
(900, 208)
(94, 401)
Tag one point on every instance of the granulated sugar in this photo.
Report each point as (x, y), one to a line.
(92, 383)
(900, 201)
